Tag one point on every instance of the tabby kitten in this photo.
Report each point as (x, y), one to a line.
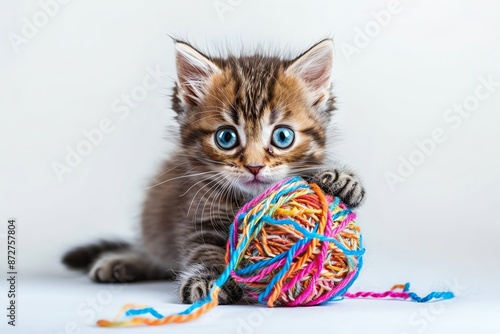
(245, 123)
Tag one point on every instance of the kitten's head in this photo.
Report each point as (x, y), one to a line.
(255, 119)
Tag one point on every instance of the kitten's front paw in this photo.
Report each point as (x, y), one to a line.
(197, 280)
(341, 183)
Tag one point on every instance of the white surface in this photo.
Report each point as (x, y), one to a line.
(68, 304)
(440, 224)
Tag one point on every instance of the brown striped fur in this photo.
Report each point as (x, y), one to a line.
(192, 200)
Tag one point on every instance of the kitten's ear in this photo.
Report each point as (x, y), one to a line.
(193, 73)
(314, 67)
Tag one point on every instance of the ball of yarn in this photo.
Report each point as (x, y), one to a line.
(293, 245)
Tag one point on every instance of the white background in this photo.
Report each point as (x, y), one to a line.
(438, 226)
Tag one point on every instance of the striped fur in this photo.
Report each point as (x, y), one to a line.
(192, 200)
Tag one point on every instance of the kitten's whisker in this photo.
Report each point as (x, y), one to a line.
(211, 110)
(232, 191)
(205, 204)
(204, 118)
(202, 180)
(191, 170)
(218, 177)
(195, 215)
(214, 199)
(231, 194)
(224, 198)
(221, 195)
(212, 203)
(318, 167)
(218, 97)
(171, 169)
(179, 177)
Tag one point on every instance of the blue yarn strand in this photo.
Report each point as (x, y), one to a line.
(433, 295)
(141, 311)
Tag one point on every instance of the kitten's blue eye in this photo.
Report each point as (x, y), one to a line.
(226, 138)
(283, 137)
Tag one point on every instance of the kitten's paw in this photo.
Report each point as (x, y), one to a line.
(115, 268)
(341, 183)
(197, 280)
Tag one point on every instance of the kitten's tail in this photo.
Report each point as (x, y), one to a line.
(83, 256)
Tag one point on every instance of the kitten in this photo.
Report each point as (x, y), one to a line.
(245, 123)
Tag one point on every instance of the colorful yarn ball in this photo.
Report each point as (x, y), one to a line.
(293, 245)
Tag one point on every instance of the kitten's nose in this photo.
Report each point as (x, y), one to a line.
(254, 169)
